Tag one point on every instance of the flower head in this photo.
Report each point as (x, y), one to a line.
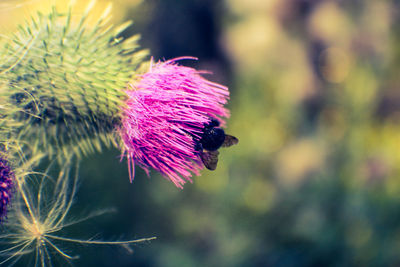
(6, 186)
(165, 113)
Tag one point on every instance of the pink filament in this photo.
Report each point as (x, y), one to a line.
(167, 107)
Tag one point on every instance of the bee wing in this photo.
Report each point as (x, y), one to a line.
(230, 141)
(210, 159)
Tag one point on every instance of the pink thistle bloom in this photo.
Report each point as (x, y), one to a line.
(166, 110)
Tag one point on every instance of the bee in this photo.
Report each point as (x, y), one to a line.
(211, 140)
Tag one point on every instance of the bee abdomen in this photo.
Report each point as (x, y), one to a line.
(212, 139)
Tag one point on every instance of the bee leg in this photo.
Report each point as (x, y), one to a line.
(198, 146)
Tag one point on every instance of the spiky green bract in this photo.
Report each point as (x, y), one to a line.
(34, 231)
(61, 83)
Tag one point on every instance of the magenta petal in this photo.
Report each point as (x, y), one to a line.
(167, 107)
(6, 186)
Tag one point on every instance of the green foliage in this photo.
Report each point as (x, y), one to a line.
(314, 180)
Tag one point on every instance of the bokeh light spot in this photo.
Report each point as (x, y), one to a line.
(259, 195)
(335, 64)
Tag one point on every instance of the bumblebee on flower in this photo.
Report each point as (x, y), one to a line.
(165, 113)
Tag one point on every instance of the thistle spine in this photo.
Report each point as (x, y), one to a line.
(63, 83)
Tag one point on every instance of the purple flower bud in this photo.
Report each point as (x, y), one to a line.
(166, 110)
(6, 186)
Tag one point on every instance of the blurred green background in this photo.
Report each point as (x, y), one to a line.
(315, 102)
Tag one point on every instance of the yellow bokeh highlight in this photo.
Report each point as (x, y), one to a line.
(252, 6)
(14, 13)
(252, 41)
(259, 195)
(296, 83)
(336, 64)
(361, 87)
(300, 159)
(329, 23)
(376, 23)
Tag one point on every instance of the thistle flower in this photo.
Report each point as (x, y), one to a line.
(6, 186)
(166, 111)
